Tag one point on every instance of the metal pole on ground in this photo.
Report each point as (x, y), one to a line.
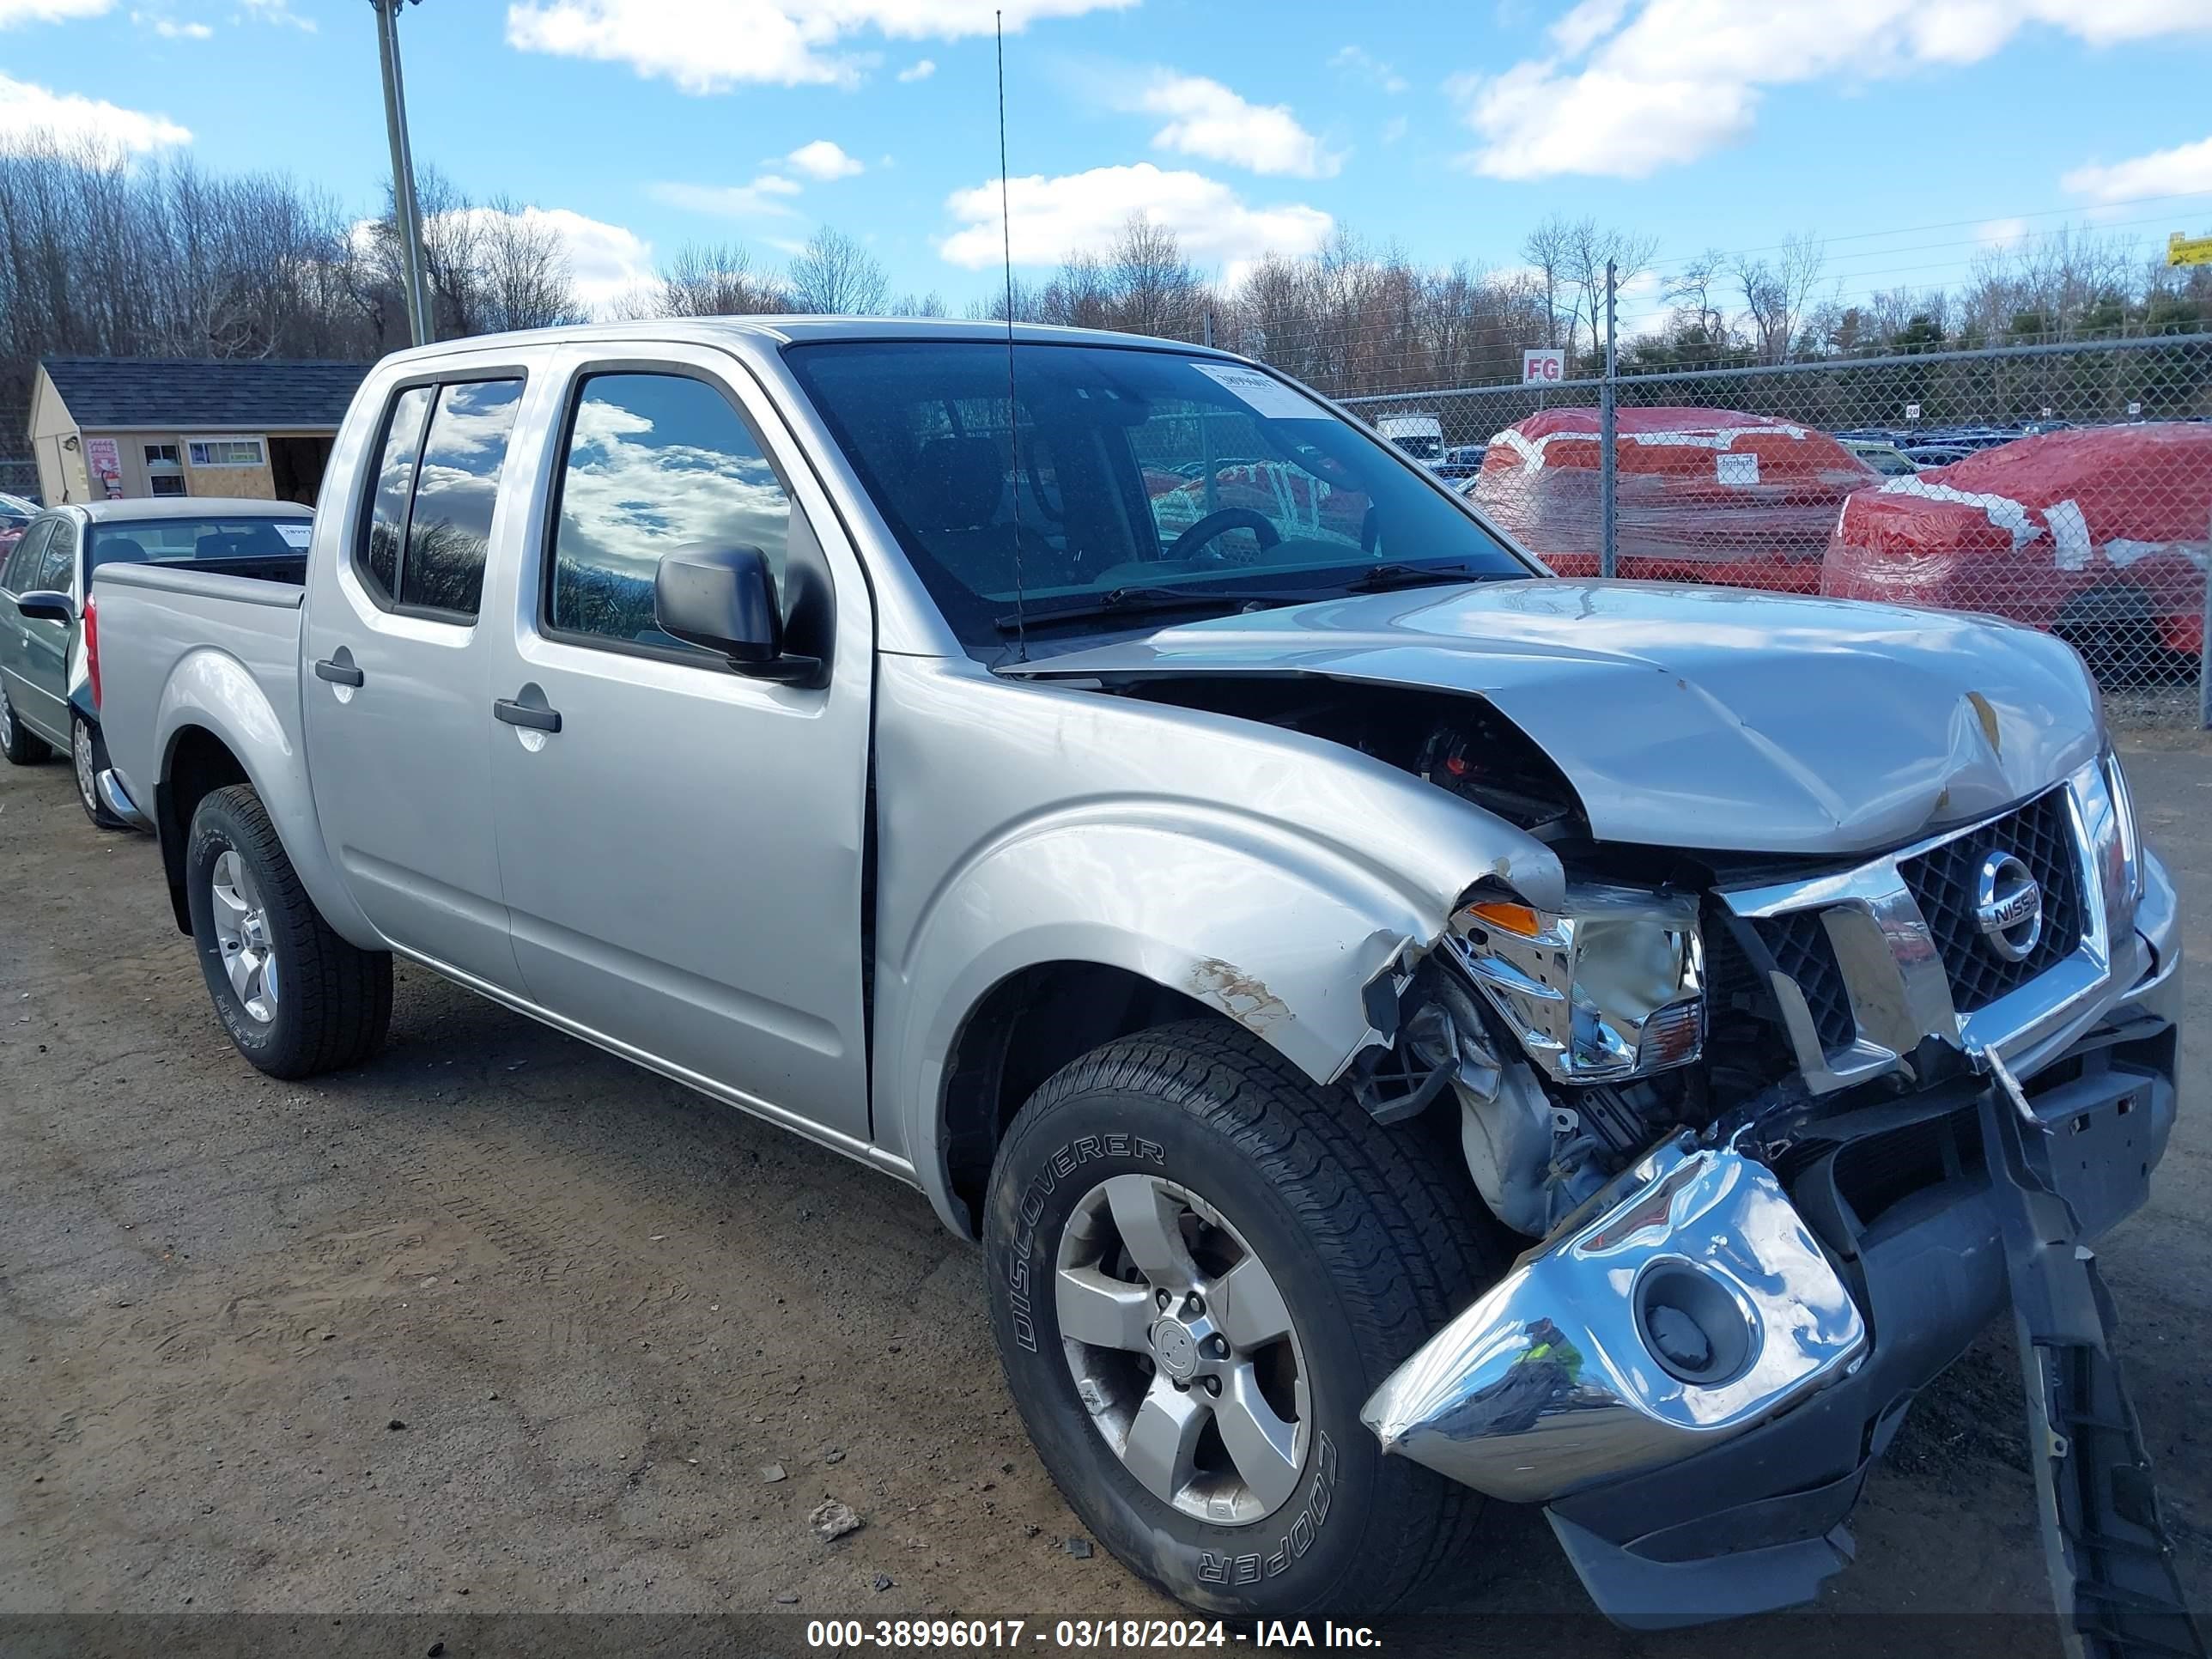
(1607, 560)
(405, 213)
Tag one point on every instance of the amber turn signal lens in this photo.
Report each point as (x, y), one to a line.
(1508, 918)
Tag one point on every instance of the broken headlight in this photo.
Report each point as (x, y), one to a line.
(1611, 987)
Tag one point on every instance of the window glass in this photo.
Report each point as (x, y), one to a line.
(167, 483)
(57, 569)
(23, 563)
(225, 452)
(654, 461)
(395, 480)
(450, 527)
(1135, 481)
(201, 541)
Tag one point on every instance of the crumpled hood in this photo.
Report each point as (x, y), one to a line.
(1696, 717)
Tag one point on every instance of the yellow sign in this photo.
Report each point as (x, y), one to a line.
(2188, 250)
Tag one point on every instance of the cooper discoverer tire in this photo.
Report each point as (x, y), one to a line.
(295, 998)
(16, 741)
(1363, 1251)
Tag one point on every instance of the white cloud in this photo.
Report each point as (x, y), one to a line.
(1206, 118)
(2001, 233)
(13, 12)
(711, 46)
(823, 159)
(2180, 171)
(605, 261)
(1631, 85)
(1357, 62)
(168, 28)
(1054, 217)
(1394, 129)
(279, 11)
(918, 70)
(30, 113)
(762, 198)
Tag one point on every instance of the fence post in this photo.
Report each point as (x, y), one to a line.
(1607, 564)
(2204, 639)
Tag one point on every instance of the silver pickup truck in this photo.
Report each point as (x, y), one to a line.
(1403, 1027)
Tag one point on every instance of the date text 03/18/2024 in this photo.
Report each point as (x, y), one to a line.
(838, 1635)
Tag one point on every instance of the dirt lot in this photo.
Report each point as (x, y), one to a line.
(501, 1323)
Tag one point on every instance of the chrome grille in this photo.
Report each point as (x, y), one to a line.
(1943, 883)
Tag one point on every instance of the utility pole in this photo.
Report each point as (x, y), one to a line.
(1609, 562)
(406, 214)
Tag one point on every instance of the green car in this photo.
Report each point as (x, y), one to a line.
(49, 672)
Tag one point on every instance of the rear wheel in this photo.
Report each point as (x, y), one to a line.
(295, 998)
(1200, 1265)
(89, 756)
(16, 742)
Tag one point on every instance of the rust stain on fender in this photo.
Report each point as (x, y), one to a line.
(1245, 1000)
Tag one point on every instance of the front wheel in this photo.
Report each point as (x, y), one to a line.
(88, 756)
(1200, 1265)
(295, 998)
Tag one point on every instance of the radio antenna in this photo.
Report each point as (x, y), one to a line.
(1013, 414)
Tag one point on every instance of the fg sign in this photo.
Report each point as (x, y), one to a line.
(1543, 367)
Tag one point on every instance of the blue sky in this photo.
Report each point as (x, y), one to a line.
(1908, 134)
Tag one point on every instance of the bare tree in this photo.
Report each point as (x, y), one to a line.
(708, 280)
(523, 271)
(1155, 289)
(1777, 292)
(835, 275)
(1544, 248)
(1589, 249)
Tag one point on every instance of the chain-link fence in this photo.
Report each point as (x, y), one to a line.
(19, 476)
(2069, 487)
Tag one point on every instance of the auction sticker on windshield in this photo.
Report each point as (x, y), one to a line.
(297, 535)
(1263, 394)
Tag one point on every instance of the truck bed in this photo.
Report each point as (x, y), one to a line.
(166, 633)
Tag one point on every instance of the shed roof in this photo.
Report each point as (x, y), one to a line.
(252, 394)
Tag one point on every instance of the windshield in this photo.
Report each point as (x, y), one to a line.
(199, 541)
(1141, 479)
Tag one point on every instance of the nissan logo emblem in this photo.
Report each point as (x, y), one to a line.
(2008, 907)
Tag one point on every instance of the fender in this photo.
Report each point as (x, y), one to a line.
(1267, 874)
(212, 690)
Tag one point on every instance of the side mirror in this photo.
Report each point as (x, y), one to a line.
(724, 599)
(47, 605)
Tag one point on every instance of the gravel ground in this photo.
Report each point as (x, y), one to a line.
(499, 1323)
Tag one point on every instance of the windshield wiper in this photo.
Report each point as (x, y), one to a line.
(1380, 578)
(1122, 600)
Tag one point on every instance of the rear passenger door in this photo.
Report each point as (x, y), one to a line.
(24, 644)
(396, 684)
(682, 857)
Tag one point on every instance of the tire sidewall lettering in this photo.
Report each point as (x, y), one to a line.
(1054, 1167)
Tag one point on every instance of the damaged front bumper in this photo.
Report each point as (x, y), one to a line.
(1695, 1373)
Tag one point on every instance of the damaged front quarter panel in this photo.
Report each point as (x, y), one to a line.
(1266, 873)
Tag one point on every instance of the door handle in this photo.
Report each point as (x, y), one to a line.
(339, 673)
(521, 714)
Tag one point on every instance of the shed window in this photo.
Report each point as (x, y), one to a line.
(225, 452)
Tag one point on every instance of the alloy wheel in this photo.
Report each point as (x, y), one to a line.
(88, 782)
(1182, 1350)
(241, 931)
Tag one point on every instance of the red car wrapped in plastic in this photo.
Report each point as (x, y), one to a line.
(1701, 494)
(2099, 535)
